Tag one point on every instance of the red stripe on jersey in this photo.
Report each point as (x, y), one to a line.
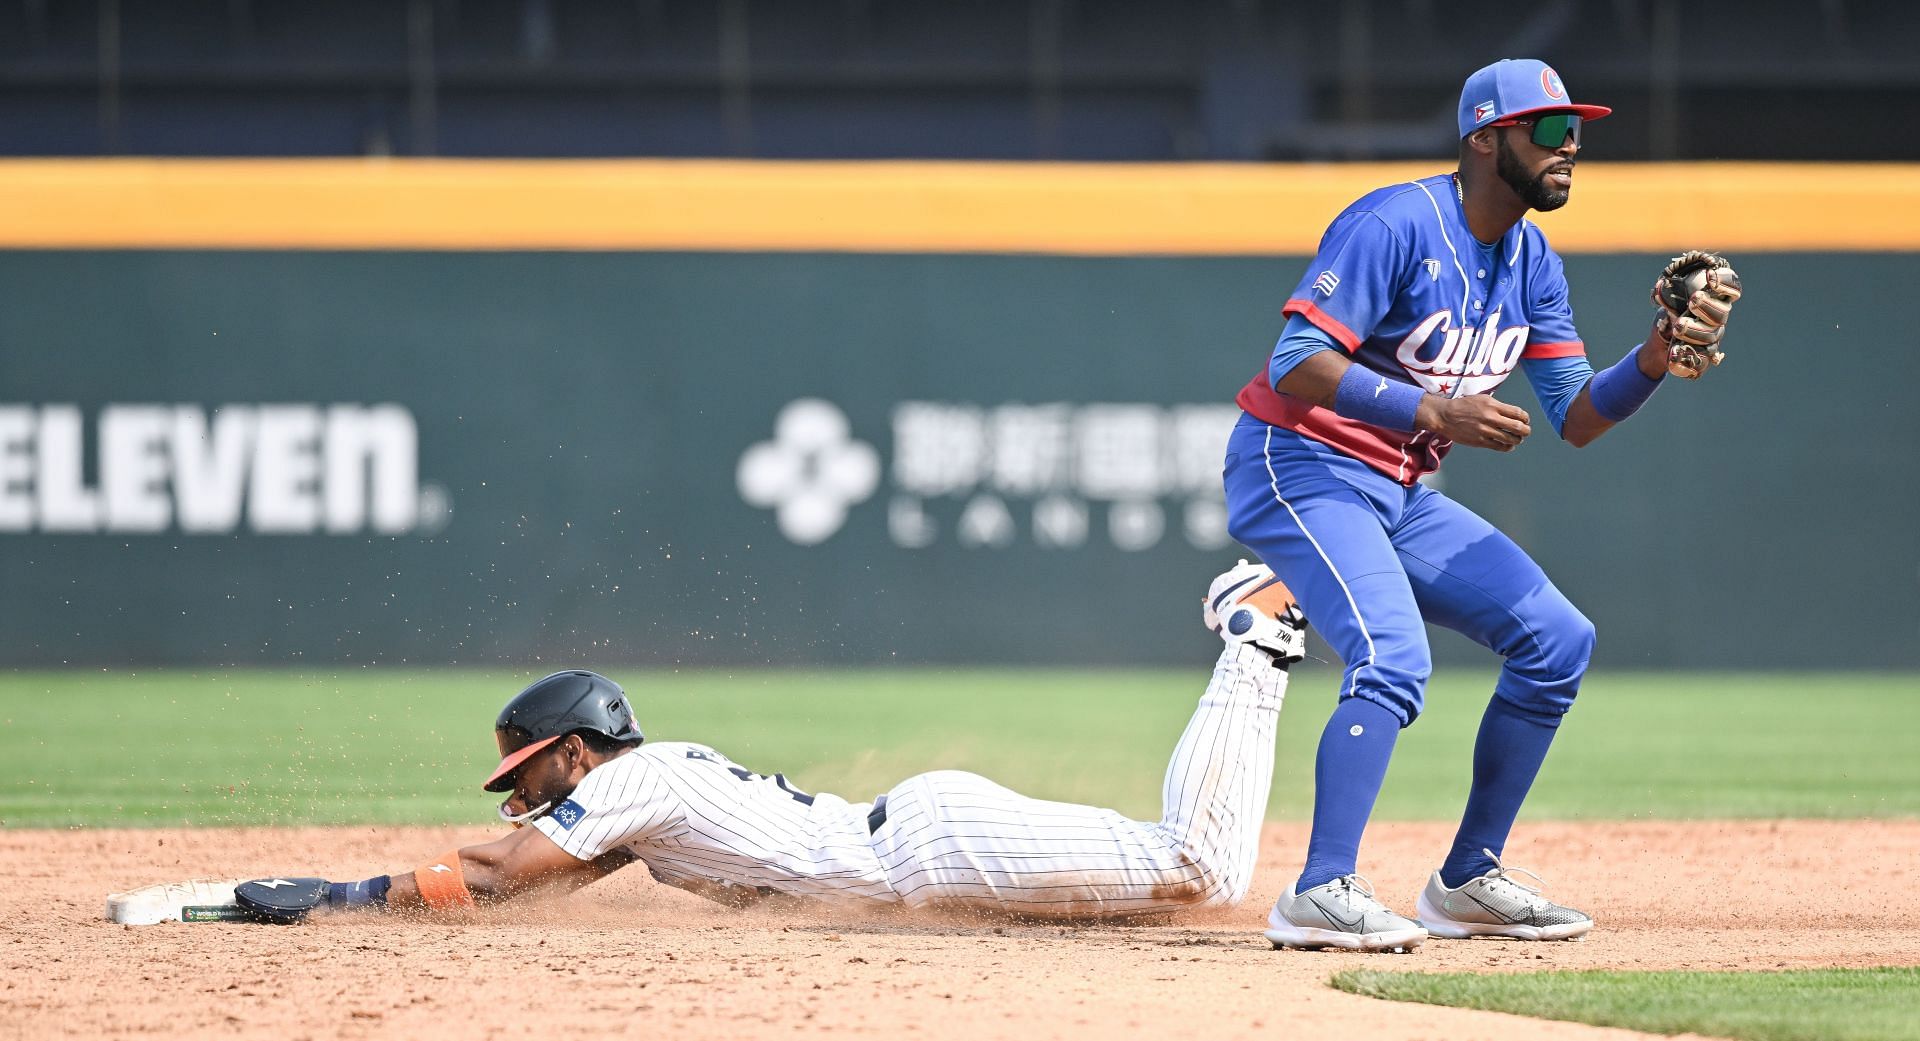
(1403, 455)
(1328, 324)
(1572, 349)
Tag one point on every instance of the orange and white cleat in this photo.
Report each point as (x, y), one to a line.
(1247, 604)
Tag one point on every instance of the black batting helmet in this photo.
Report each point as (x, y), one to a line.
(550, 709)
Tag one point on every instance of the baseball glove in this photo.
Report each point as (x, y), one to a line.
(281, 901)
(1695, 295)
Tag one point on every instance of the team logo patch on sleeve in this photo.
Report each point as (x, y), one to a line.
(568, 814)
(1326, 283)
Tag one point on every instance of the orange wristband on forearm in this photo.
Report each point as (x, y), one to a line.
(441, 883)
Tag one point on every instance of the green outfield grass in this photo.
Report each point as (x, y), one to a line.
(1803, 1005)
(391, 745)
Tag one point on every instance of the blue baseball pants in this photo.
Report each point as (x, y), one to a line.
(1370, 558)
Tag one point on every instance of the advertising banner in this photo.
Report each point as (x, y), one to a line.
(212, 457)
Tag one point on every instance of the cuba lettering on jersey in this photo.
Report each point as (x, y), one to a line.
(701, 823)
(1401, 283)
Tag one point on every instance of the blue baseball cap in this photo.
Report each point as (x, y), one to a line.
(1516, 87)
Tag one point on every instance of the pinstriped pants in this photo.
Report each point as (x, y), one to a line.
(955, 840)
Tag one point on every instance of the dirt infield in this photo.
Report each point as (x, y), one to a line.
(631, 957)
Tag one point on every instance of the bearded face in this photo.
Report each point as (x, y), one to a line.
(1532, 185)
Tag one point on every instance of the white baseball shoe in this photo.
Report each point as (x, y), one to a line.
(1343, 914)
(1247, 604)
(1498, 904)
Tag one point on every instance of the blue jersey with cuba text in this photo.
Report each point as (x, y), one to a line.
(1401, 283)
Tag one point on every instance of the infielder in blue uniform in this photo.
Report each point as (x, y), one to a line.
(1424, 297)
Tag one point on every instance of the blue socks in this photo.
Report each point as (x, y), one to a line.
(1351, 766)
(1347, 773)
(1507, 755)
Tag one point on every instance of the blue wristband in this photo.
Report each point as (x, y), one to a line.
(1620, 389)
(1369, 397)
(370, 893)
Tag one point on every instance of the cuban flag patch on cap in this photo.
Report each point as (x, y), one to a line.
(568, 814)
(1483, 112)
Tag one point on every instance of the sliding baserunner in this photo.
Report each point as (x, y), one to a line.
(592, 795)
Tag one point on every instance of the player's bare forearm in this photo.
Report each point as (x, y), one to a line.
(512, 865)
(1315, 379)
(1584, 423)
(523, 862)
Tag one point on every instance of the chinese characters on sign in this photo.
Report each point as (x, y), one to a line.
(1060, 474)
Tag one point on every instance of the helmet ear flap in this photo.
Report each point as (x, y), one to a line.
(621, 723)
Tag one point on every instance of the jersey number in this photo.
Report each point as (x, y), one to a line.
(780, 781)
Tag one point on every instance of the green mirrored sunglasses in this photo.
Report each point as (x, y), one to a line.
(1549, 131)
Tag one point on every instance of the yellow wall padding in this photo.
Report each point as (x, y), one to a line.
(1187, 209)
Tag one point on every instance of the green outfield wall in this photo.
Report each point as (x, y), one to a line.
(753, 458)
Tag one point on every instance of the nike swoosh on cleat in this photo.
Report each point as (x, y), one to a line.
(1345, 926)
(1227, 592)
(1497, 915)
(1264, 586)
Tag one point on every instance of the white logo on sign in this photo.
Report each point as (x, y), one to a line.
(274, 469)
(811, 471)
(993, 476)
(1326, 283)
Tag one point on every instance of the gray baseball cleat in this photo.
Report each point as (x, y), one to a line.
(1343, 914)
(1498, 904)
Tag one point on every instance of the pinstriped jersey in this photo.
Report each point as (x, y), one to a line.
(704, 824)
(1400, 282)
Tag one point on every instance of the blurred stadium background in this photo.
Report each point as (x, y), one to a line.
(998, 79)
(513, 334)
